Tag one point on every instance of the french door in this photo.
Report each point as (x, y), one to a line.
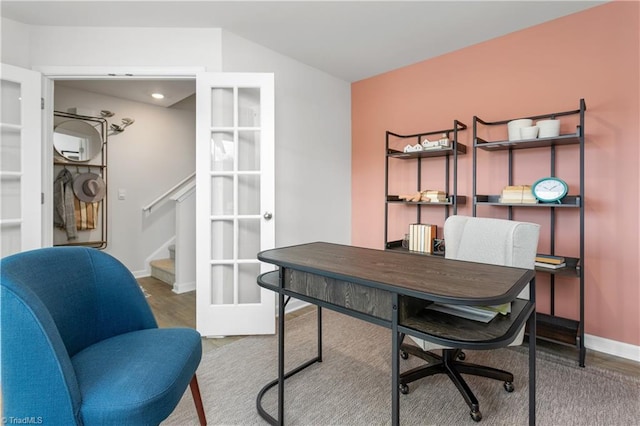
(234, 202)
(20, 160)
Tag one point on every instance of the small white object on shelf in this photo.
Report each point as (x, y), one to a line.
(548, 128)
(514, 126)
(530, 132)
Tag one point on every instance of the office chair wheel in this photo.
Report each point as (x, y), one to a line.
(404, 389)
(476, 415)
(508, 386)
(404, 355)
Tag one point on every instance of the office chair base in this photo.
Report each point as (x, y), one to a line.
(449, 363)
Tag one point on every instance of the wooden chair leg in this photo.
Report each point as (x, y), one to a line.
(195, 391)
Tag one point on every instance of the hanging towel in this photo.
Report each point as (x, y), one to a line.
(86, 214)
(63, 210)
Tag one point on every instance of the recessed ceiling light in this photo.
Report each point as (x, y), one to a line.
(157, 96)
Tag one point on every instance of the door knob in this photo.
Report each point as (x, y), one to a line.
(268, 215)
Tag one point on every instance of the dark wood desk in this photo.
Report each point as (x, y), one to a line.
(392, 289)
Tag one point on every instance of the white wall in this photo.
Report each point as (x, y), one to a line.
(313, 148)
(313, 144)
(15, 42)
(148, 158)
(125, 47)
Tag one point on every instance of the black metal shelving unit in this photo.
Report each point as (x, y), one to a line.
(393, 146)
(550, 327)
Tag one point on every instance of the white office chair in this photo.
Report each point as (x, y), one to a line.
(483, 240)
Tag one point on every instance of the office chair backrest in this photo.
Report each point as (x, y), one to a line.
(54, 302)
(494, 241)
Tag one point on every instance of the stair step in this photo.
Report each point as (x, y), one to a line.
(172, 251)
(164, 270)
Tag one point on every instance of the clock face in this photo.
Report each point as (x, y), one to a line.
(549, 189)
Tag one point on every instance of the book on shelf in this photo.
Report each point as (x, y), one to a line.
(434, 196)
(547, 258)
(421, 237)
(551, 265)
(517, 194)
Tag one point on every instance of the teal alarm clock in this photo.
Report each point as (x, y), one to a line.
(549, 189)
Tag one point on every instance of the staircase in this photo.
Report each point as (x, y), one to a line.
(178, 271)
(165, 269)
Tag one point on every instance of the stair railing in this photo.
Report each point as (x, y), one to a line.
(167, 193)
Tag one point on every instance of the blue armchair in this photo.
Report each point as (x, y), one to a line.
(80, 345)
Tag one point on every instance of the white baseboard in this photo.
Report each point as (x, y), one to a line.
(612, 347)
(184, 287)
(141, 274)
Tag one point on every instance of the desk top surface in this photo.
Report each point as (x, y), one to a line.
(429, 277)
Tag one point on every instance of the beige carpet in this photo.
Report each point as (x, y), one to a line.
(352, 384)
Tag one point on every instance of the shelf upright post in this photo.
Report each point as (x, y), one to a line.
(474, 191)
(583, 108)
(386, 189)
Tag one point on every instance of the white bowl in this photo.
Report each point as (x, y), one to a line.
(514, 126)
(530, 132)
(548, 128)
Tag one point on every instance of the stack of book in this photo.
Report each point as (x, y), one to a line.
(434, 196)
(550, 262)
(421, 237)
(517, 194)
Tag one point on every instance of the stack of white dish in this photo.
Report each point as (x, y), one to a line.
(523, 129)
(548, 128)
(514, 127)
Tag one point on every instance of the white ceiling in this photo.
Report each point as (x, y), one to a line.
(351, 40)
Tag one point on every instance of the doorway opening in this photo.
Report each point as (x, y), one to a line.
(150, 148)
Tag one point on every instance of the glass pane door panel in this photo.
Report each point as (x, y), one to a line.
(248, 194)
(248, 238)
(10, 239)
(222, 240)
(248, 289)
(222, 107)
(249, 150)
(249, 107)
(10, 150)
(221, 284)
(222, 151)
(10, 208)
(221, 195)
(11, 100)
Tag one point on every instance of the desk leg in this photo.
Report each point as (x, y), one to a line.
(319, 334)
(395, 365)
(282, 376)
(281, 359)
(532, 355)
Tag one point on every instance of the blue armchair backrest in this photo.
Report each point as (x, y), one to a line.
(54, 302)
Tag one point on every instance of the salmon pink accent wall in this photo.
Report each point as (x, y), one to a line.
(593, 55)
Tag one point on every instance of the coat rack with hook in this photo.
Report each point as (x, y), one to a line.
(80, 180)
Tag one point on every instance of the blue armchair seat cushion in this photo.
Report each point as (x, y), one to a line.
(131, 376)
